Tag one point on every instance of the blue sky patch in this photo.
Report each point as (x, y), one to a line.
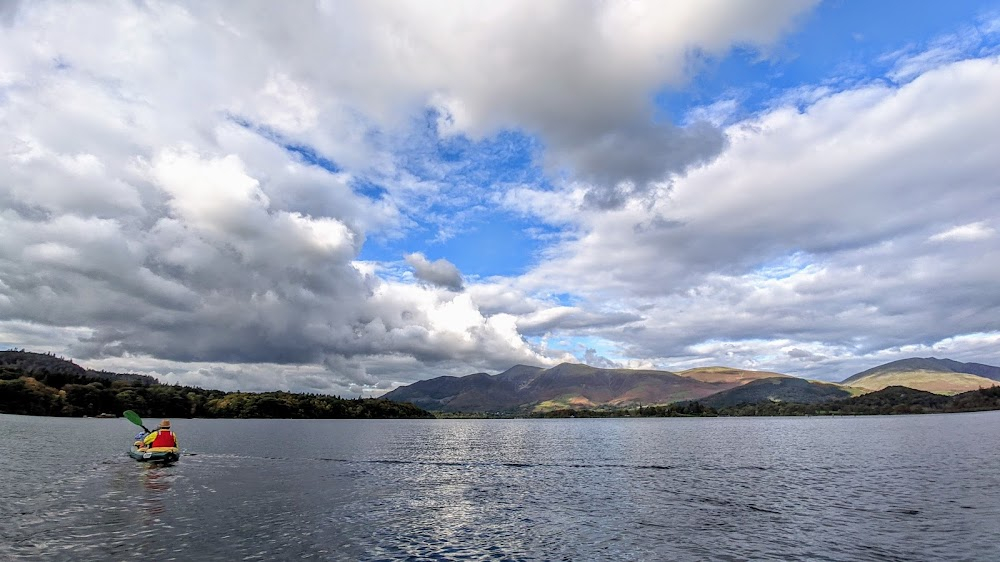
(304, 152)
(460, 219)
(838, 45)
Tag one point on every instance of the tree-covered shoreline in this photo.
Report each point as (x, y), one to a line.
(893, 400)
(62, 392)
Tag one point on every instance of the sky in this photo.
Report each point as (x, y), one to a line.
(345, 197)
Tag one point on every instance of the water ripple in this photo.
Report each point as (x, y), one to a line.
(912, 488)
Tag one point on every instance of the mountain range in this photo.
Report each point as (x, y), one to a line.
(533, 389)
(526, 389)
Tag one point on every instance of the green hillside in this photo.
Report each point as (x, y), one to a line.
(727, 375)
(942, 376)
(777, 389)
(891, 400)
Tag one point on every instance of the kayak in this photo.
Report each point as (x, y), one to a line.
(151, 454)
(156, 454)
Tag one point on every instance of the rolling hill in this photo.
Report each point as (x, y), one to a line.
(28, 362)
(889, 400)
(727, 375)
(777, 389)
(478, 392)
(942, 376)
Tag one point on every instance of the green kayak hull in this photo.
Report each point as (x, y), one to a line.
(172, 455)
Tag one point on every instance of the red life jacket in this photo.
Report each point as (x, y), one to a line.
(164, 438)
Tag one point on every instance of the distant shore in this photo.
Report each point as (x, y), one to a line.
(44, 385)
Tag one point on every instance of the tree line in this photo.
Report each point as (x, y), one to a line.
(891, 400)
(66, 394)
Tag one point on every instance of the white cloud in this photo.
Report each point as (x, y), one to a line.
(965, 233)
(970, 41)
(719, 113)
(571, 318)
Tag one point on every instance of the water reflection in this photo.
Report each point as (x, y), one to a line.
(155, 478)
(155, 484)
(453, 493)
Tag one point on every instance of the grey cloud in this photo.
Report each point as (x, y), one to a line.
(592, 358)
(351, 371)
(571, 318)
(621, 164)
(8, 11)
(804, 355)
(655, 223)
(831, 319)
(440, 272)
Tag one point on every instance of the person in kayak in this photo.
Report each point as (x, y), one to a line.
(162, 437)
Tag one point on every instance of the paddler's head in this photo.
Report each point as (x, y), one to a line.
(165, 424)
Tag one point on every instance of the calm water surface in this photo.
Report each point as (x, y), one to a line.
(866, 488)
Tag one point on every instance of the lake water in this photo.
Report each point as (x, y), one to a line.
(865, 488)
